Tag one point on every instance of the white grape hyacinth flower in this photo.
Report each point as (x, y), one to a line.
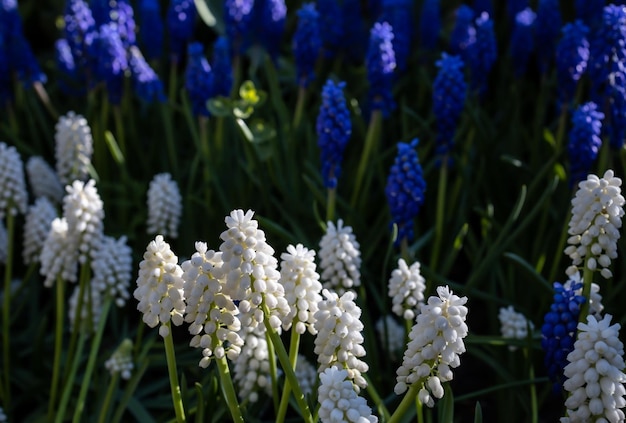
(597, 211)
(112, 269)
(160, 287)
(302, 287)
(37, 225)
(339, 402)
(43, 180)
(513, 325)
(391, 334)
(340, 258)
(435, 344)
(595, 374)
(84, 212)
(251, 370)
(251, 271)
(595, 299)
(13, 194)
(91, 307)
(121, 361)
(339, 339)
(212, 315)
(59, 254)
(165, 206)
(73, 148)
(406, 289)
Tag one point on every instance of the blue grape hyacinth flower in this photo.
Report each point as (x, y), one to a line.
(110, 59)
(222, 67)
(180, 18)
(398, 14)
(589, 11)
(334, 128)
(354, 42)
(78, 30)
(270, 24)
(405, 189)
(513, 7)
(199, 79)
(146, 82)
(522, 41)
(71, 81)
(584, 141)
(572, 56)
(151, 29)
(449, 91)
(463, 33)
(331, 26)
(547, 30)
(238, 15)
(481, 6)
(430, 24)
(483, 53)
(307, 43)
(381, 65)
(559, 329)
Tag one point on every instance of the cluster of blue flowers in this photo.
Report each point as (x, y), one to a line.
(559, 329)
(405, 189)
(381, 64)
(333, 131)
(306, 43)
(572, 55)
(198, 79)
(584, 141)
(523, 40)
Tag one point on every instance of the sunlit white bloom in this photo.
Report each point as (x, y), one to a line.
(597, 211)
(13, 195)
(513, 325)
(339, 402)
(43, 180)
(339, 339)
(406, 289)
(340, 258)
(36, 228)
(391, 334)
(302, 287)
(211, 313)
(436, 341)
(84, 212)
(595, 374)
(121, 361)
(165, 206)
(74, 148)
(160, 287)
(251, 271)
(251, 370)
(112, 269)
(59, 254)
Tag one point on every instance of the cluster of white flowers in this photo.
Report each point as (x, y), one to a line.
(74, 148)
(112, 268)
(164, 206)
(339, 338)
(251, 271)
(436, 341)
(306, 373)
(302, 288)
(84, 211)
(90, 307)
(43, 180)
(595, 298)
(209, 309)
(339, 402)
(340, 258)
(406, 289)
(597, 211)
(595, 374)
(513, 325)
(391, 334)
(160, 287)
(36, 228)
(58, 257)
(13, 195)
(121, 361)
(251, 370)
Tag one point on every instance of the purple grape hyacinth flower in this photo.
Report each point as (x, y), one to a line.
(559, 330)
(151, 28)
(334, 128)
(307, 43)
(522, 41)
(199, 79)
(405, 189)
(584, 141)
(181, 15)
(381, 65)
(449, 90)
(572, 55)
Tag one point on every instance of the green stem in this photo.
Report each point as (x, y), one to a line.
(58, 345)
(441, 211)
(67, 390)
(368, 148)
(82, 282)
(380, 404)
(173, 374)
(294, 346)
(6, 314)
(407, 402)
(533, 388)
(587, 281)
(284, 362)
(91, 362)
(119, 128)
(271, 355)
(297, 116)
(330, 205)
(228, 390)
(106, 405)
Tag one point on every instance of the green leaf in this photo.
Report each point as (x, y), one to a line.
(220, 106)
(548, 136)
(478, 413)
(139, 411)
(446, 405)
(205, 13)
(114, 149)
(200, 409)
